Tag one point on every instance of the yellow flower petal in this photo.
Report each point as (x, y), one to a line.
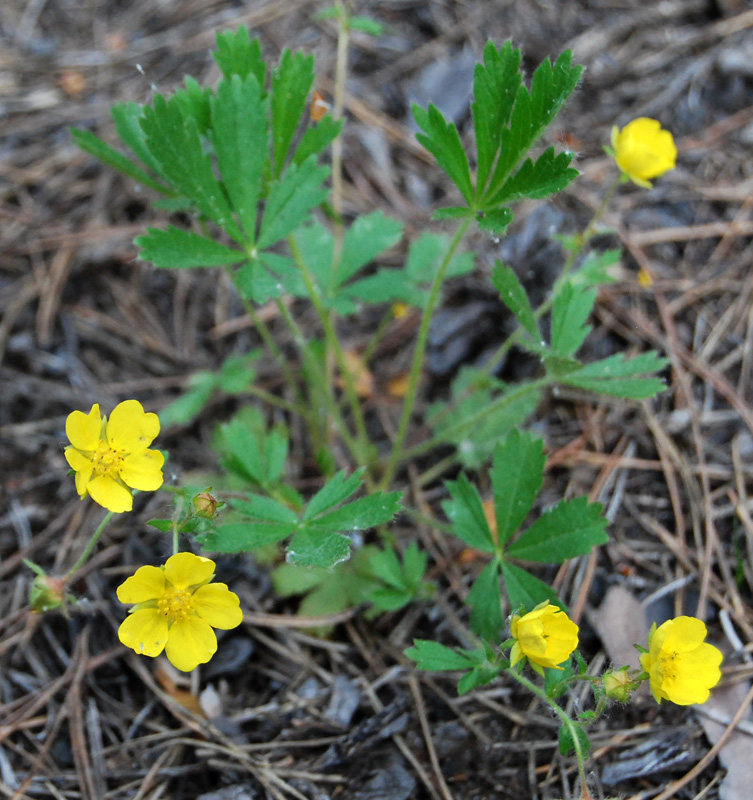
(83, 476)
(110, 494)
(185, 569)
(148, 583)
(545, 635)
(191, 642)
(76, 459)
(145, 632)
(130, 428)
(684, 634)
(143, 470)
(83, 430)
(643, 150)
(218, 606)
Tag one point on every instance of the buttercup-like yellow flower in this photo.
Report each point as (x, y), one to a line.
(681, 667)
(176, 609)
(546, 636)
(111, 457)
(643, 150)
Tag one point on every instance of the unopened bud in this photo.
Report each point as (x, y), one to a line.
(205, 505)
(618, 685)
(47, 593)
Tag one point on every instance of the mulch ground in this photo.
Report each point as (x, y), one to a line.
(279, 713)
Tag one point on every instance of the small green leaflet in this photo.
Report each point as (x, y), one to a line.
(441, 139)
(495, 85)
(127, 118)
(485, 601)
(572, 307)
(291, 200)
(566, 744)
(517, 475)
(515, 297)
(435, 657)
(549, 174)
(176, 248)
(292, 80)
(595, 269)
(617, 376)
(465, 511)
(525, 591)
(237, 54)
(316, 137)
(241, 142)
(572, 528)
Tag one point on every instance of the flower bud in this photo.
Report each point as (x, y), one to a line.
(47, 593)
(618, 685)
(205, 505)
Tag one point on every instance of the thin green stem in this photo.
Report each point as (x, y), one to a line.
(89, 547)
(418, 357)
(361, 453)
(176, 538)
(565, 718)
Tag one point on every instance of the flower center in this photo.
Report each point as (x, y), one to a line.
(176, 604)
(107, 460)
(668, 667)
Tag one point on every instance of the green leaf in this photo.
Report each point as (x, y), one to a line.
(486, 604)
(178, 249)
(242, 537)
(237, 54)
(515, 297)
(452, 212)
(317, 137)
(525, 590)
(189, 405)
(291, 200)
(292, 80)
(549, 174)
(414, 565)
(572, 528)
(361, 514)
(309, 548)
(366, 25)
(517, 474)
(386, 566)
(127, 118)
(466, 513)
(616, 376)
(93, 145)
(237, 372)
(495, 86)
(162, 525)
(495, 220)
(572, 307)
(265, 509)
(334, 492)
(479, 676)
(594, 271)
(194, 102)
(435, 657)
(240, 139)
(249, 450)
(532, 112)
(566, 744)
(386, 599)
(369, 236)
(174, 141)
(441, 139)
(289, 580)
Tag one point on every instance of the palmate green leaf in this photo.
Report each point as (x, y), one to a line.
(251, 451)
(494, 220)
(479, 676)
(338, 489)
(361, 514)
(176, 248)
(532, 112)
(414, 565)
(485, 601)
(174, 141)
(268, 277)
(93, 145)
(566, 744)
(188, 406)
(292, 80)
(127, 118)
(237, 54)
(572, 528)
(386, 566)
(243, 537)
(435, 657)
(549, 174)
(517, 474)
(241, 143)
(466, 513)
(572, 307)
(515, 297)
(317, 137)
(368, 236)
(495, 85)
(525, 591)
(618, 376)
(291, 200)
(595, 269)
(442, 140)
(237, 371)
(194, 101)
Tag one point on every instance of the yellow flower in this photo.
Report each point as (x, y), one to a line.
(110, 457)
(681, 667)
(643, 150)
(176, 609)
(546, 636)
